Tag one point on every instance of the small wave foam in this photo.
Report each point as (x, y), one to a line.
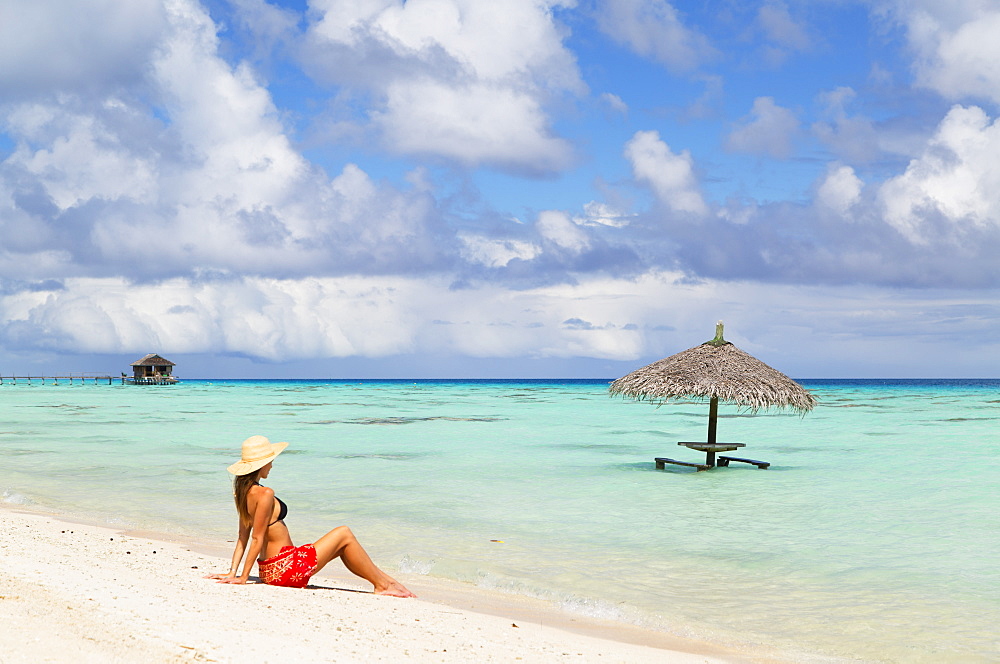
(602, 610)
(572, 603)
(118, 522)
(14, 498)
(409, 565)
(511, 586)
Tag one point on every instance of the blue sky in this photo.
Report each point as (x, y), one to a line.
(460, 188)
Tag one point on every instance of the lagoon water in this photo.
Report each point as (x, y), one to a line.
(874, 535)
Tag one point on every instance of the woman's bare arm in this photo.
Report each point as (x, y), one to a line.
(241, 544)
(261, 505)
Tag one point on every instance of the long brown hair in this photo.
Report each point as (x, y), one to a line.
(241, 487)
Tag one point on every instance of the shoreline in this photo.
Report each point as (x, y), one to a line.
(93, 593)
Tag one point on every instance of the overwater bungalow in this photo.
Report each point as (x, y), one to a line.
(152, 370)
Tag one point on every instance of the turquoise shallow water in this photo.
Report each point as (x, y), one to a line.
(873, 535)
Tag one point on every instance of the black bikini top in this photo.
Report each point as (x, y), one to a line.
(282, 512)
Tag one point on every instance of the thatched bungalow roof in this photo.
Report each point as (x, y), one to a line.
(152, 360)
(715, 370)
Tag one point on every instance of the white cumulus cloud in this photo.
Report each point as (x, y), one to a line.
(956, 45)
(614, 102)
(840, 189)
(769, 129)
(654, 29)
(496, 252)
(209, 179)
(500, 124)
(955, 181)
(81, 157)
(49, 46)
(462, 79)
(670, 175)
(557, 228)
(783, 33)
(851, 137)
(596, 213)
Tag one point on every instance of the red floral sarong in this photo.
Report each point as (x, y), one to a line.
(292, 567)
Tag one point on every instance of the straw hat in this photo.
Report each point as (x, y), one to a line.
(257, 452)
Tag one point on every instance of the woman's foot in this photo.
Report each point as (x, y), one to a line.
(393, 588)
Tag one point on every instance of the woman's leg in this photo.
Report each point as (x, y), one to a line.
(341, 542)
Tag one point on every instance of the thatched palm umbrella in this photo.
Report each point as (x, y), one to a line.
(715, 370)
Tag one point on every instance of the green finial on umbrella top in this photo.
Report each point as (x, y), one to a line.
(718, 340)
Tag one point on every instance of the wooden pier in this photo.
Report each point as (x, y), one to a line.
(73, 378)
(149, 370)
(95, 378)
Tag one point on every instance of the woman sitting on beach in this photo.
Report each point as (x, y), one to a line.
(262, 525)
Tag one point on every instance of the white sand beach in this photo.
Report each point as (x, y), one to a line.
(85, 593)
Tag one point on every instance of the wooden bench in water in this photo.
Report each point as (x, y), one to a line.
(724, 461)
(662, 461)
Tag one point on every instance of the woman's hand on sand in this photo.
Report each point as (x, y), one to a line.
(226, 578)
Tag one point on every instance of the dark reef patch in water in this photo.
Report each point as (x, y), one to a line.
(189, 471)
(643, 432)
(71, 406)
(408, 420)
(299, 403)
(642, 466)
(397, 456)
(853, 405)
(598, 447)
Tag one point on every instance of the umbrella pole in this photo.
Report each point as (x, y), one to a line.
(713, 416)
